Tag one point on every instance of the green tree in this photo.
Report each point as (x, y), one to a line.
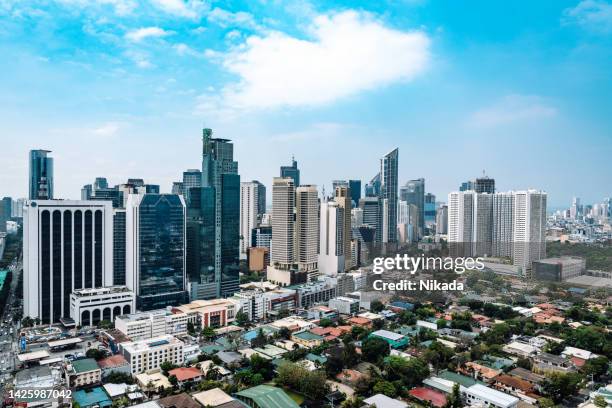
(173, 380)
(260, 340)
(166, 366)
(376, 306)
(384, 387)
(600, 401)
(242, 318)
(561, 385)
(596, 366)
(374, 349)
(454, 399)
(554, 347)
(208, 333)
(409, 372)
(95, 354)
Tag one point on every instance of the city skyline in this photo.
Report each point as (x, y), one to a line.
(524, 98)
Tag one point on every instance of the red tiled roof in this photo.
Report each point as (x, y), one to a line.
(113, 361)
(185, 373)
(437, 399)
(360, 321)
(514, 382)
(578, 362)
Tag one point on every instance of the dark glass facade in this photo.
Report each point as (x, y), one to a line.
(161, 251)
(291, 171)
(230, 231)
(119, 247)
(355, 186)
(71, 253)
(41, 175)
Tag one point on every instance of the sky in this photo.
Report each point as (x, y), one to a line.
(519, 90)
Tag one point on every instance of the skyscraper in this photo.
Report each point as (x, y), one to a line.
(217, 221)
(413, 192)
(511, 224)
(155, 249)
(529, 228)
(291, 171)
(343, 198)
(283, 223)
(86, 192)
(119, 243)
(331, 259)
(442, 220)
(6, 209)
(67, 245)
(484, 184)
(372, 189)
(307, 229)
(429, 211)
(388, 196)
(355, 186)
(191, 178)
(177, 187)
(41, 175)
(369, 206)
(250, 211)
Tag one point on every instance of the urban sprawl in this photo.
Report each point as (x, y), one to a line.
(211, 297)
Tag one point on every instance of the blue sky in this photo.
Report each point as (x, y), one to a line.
(121, 88)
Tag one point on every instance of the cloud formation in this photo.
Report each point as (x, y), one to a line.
(512, 109)
(146, 32)
(346, 53)
(592, 15)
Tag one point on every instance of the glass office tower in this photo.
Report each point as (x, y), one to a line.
(214, 222)
(41, 175)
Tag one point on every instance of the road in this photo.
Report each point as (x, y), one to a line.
(9, 330)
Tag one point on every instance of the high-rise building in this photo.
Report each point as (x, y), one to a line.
(388, 196)
(291, 171)
(191, 178)
(343, 198)
(372, 189)
(369, 206)
(41, 175)
(100, 183)
(261, 236)
(17, 210)
(250, 211)
(177, 187)
(6, 209)
(339, 183)
(307, 229)
(331, 259)
(67, 245)
(429, 211)
(442, 220)
(529, 228)
(283, 223)
(355, 186)
(413, 192)
(511, 224)
(86, 192)
(484, 184)
(217, 222)
(155, 250)
(119, 243)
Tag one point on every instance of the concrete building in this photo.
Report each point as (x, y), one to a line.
(479, 394)
(67, 245)
(258, 259)
(388, 192)
(81, 373)
(145, 355)
(344, 305)
(210, 313)
(41, 175)
(343, 199)
(88, 305)
(331, 242)
(307, 229)
(153, 323)
(250, 211)
(559, 269)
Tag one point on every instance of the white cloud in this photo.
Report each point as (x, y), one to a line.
(593, 15)
(348, 52)
(183, 49)
(109, 129)
(512, 109)
(146, 32)
(180, 8)
(226, 18)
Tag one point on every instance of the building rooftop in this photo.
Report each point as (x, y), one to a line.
(84, 365)
(212, 398)
(387, 335)
(113, 361)
(266, 396)
(306, 335)
(382, 401)
(182, 400)
(145, 345)
(185, 373)
(499, 398)
(92, 397)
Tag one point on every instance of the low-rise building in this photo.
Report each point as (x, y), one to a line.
(307, 339)
(186, 375)
(88, 305)
(114, 364)
(395, 340)
(84, 372)
(153, 323)
(210, 313)
(265, 396)
(344, 305)
(479, 394)
(145, 355)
